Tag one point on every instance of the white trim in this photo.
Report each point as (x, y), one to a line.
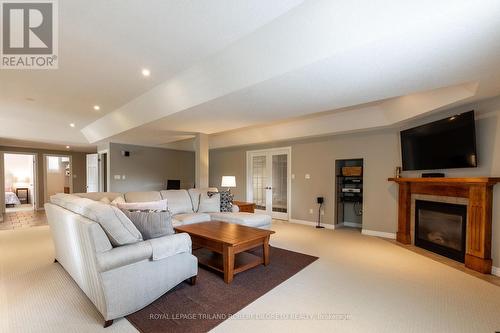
(311, 223)
(352, 224)
(367, 232)
(495, 271)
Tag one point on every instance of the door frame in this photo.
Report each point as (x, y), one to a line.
(101, 170)
(36, 204)
(45, 173)
(249, 186)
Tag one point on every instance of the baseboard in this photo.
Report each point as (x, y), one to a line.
(495, 271)
(351, 224)
(312, 224)
(378, 233)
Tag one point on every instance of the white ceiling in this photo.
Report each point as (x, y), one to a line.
(228, 68)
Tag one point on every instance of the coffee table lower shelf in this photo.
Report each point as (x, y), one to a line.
(213, 260)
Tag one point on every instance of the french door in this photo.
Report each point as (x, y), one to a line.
(268, 181)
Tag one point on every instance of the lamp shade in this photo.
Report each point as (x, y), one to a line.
(228, 181)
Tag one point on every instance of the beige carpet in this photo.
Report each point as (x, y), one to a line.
(381, 287)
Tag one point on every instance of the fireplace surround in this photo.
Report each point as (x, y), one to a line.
(479, 194)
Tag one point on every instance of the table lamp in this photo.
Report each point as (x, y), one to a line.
(228, 181)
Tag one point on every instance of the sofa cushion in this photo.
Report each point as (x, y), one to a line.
(119, 229)
(151, 224)
(179, 201)
(181, 219)
(71, 202)
(142, 196)
(147, 205)
(195, 193)
(105, 200)
(96, 196)
(247, 219)
(209, 202)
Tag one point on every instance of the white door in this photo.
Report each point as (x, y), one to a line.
(92, 172)
(268, 181)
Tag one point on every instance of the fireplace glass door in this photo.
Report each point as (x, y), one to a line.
(441, 227)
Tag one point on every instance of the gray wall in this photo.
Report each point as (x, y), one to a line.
(147, 168)
(79, 169)
(316, 157)
(381, 154)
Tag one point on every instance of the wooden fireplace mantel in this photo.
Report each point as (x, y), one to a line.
(478, 191)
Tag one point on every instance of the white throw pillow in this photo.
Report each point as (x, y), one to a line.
(118, 200)
(209, 204)
(151, 205)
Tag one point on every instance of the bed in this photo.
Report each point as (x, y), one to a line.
(11, 199)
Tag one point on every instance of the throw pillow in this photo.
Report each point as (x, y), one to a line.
(152, 224)
(118, 200)
(209, 202)
(226, 201)
(105, 200)
(151, 205)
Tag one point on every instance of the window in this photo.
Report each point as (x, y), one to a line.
(53, 163)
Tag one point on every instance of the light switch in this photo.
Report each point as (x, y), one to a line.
(310, 210)
(117, 177)
(308, 176)
(123, 177)
(293, 176)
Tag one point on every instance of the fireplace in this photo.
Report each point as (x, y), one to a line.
(441, 228)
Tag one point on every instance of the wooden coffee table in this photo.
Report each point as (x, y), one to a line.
(221, 246)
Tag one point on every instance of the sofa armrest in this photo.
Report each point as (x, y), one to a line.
(123, 255)
(170, 245)
(236, 209)
(155, 249)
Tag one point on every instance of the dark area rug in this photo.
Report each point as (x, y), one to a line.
(201, 307)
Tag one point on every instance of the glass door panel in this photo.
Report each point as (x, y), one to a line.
(280, 185)
(268, 183)
(259, 181)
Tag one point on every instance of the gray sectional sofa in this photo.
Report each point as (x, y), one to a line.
(106, 256)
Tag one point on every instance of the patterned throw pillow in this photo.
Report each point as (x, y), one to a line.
(226, 200)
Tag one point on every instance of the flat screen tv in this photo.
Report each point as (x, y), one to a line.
(444, 144)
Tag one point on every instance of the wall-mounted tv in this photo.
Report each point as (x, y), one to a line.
(444, 144)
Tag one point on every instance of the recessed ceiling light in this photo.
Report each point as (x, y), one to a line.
(146, 72)
(67, 147)
(72, 125)
(97, 107)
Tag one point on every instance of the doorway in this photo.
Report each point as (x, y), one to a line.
(19, 182)
(268, 181)
(57, 175)
(349, 193)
